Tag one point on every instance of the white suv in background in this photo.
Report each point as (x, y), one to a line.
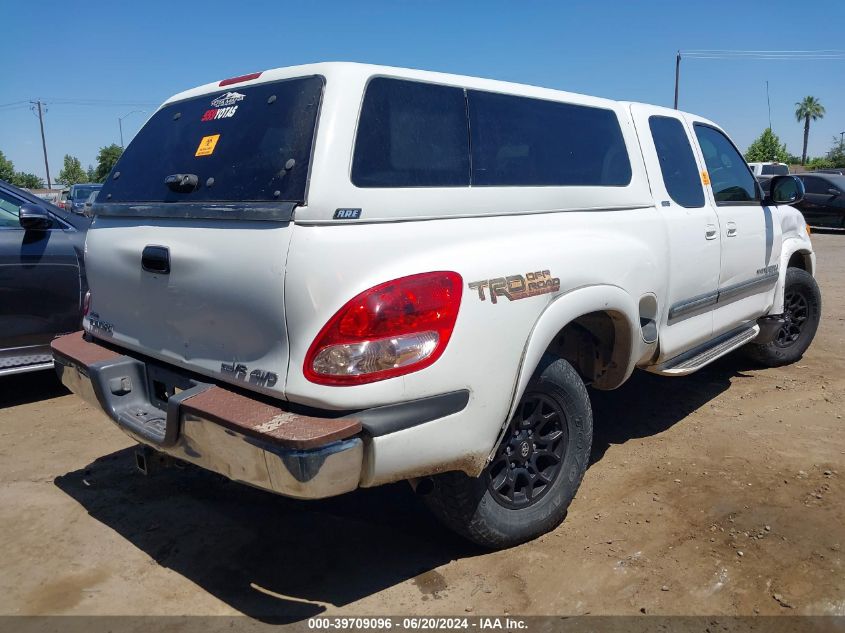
(769, 169)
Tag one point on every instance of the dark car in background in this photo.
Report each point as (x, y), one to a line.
(78, 194)
(42, 278)
(824, 199)
(765, 183)
(87, 208)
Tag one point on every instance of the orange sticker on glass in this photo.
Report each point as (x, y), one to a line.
(705, 177)
(207, 145)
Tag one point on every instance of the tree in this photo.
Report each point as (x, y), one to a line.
(7, 168)
(836, 155)
(766, 148)
(820, 163)
(91, 174)
(106, 160)
(808, 109)
(72, 172)
(27, 181)
(18, 178)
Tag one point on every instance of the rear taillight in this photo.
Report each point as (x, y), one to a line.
(391, 329)
(86, 304)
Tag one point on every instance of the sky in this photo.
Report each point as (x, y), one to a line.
(92, 62)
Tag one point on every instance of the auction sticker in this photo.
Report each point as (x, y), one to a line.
(207, 145)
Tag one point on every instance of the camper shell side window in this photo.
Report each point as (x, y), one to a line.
(416, 134)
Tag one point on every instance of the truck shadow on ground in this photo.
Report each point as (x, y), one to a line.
(31, 387)
(280, 560)
(648, 404)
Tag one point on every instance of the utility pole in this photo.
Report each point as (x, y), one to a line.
(677, 77)
(43, 142)
(120, 123)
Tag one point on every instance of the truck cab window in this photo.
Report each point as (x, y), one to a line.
(677, 163)
(730, 177)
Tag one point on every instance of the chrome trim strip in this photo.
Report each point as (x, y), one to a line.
(691, 305)
(729, 293)
(721, 296)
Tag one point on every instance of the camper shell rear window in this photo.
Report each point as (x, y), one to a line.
(238, 145)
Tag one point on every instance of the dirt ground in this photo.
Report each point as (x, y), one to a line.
(719, 494)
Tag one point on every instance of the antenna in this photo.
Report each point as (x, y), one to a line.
(769, 103)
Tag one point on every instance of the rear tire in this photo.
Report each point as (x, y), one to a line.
(527, 487)
(802, 308)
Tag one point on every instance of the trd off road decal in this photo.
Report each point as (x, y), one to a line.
(224, 106)
(516, 287)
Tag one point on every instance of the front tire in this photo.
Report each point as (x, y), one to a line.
(527, 487)
(802, 308)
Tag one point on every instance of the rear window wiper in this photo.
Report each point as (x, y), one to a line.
(182, 183)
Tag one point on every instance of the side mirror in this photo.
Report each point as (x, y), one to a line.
(785, 190)
(834, 191)
(34, 217)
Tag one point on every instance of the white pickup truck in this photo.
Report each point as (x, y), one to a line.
(332, 276)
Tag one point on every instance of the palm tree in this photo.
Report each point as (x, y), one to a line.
(808, 108)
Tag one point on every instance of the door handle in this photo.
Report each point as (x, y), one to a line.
(731, 229)
(710, 232)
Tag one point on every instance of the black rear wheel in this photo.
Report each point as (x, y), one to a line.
(531, 453)
(535, 471)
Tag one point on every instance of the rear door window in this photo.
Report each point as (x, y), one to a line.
(677, 162)
(730, 177)
(246, 144)
(519, 141)
(411, 134)
(813, 184)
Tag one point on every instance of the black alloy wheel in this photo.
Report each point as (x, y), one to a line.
(531, 453)
(795, 312)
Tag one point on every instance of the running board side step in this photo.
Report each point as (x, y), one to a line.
(24, 359)
(698, 357)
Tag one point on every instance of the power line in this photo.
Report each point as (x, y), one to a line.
(100, 102)
(744, 52)
(764, 54)
(757, 55)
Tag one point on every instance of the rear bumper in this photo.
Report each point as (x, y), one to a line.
(238, 436)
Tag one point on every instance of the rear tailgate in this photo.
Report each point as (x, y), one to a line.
(218, 311)
(186, 256)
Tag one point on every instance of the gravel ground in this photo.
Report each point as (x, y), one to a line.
(719, 494)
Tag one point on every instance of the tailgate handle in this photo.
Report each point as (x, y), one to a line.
(156, 259)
